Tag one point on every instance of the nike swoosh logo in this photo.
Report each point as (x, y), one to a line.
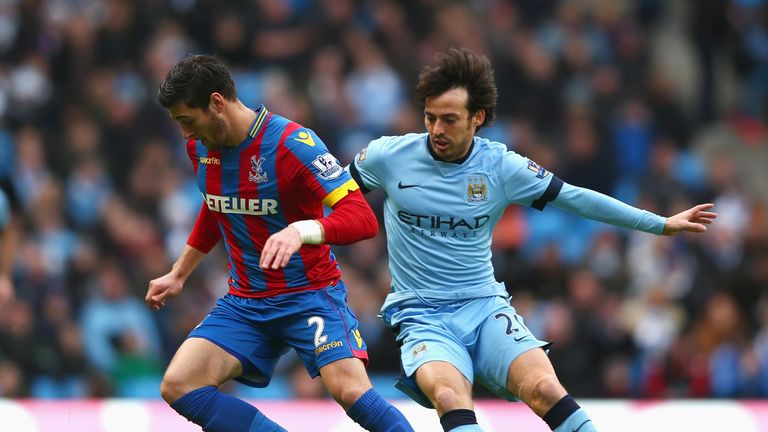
(585, 422)
(406, 186)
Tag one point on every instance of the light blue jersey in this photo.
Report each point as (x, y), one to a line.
(439, 216)
(445, 304)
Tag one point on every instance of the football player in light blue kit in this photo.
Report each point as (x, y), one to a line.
(446, 190)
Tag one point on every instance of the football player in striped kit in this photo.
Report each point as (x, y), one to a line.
(264, 181)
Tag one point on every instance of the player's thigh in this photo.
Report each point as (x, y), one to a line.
(425, 337)
(236, 325)
(324, 330)
(502, 339)
(198, 363)
(345, 372)
(436, 358)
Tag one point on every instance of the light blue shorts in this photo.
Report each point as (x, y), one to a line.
(480, 337)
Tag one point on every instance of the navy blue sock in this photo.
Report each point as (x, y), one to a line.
(459, 418)
(375, 414)
(219, 412)
(567, 415)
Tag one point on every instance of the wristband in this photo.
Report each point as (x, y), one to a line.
(311, 231)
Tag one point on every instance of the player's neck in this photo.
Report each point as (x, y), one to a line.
(241, 120)
(457, 161)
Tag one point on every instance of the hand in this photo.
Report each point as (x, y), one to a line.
(279, 248)
(163, 288)
(695, 219)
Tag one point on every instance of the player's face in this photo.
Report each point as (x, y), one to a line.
(204, 125)
(450, 125)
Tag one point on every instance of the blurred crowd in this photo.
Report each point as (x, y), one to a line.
(659, 103)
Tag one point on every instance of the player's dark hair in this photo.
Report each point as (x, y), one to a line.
(461, 68)
(193, 79)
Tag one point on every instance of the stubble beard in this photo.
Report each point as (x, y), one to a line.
(218, 135)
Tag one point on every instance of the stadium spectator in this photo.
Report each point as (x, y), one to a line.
(7, 250)
(111, 314)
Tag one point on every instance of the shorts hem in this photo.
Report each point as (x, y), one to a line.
(248, 367)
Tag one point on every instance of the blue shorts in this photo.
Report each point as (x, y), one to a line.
(480, 337)
(318, 324)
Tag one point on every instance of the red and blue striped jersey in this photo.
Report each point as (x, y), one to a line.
(281, 173)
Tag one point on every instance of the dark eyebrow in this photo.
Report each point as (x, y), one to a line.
(450, 114)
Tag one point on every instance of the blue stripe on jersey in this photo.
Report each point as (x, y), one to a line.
(295, 271)
(230, 163)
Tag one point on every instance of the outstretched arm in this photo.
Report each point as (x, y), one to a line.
(596, 206)
(695, 219)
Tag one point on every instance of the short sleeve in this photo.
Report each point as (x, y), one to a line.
(525, 181)
(369, 164)
(327, 179)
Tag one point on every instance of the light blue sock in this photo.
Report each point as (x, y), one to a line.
(579, 421)
(467, 428)
(375, 414)
(219, 412)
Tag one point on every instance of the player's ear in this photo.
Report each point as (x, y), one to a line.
(216, 102)
(478, 117)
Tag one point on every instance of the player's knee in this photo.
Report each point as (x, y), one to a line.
(346, 394)
(446, 398)
(345, 381)
(173, 387)
(541, 392)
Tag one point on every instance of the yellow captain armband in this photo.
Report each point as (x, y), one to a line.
(340, 192)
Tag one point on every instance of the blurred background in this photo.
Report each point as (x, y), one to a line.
(659, 103)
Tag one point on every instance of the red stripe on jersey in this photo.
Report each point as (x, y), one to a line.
(303, 204)
(258, 231)
(213, 186)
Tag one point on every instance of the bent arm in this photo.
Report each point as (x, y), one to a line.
(171, 284)
(352, 220)
(188, 260)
